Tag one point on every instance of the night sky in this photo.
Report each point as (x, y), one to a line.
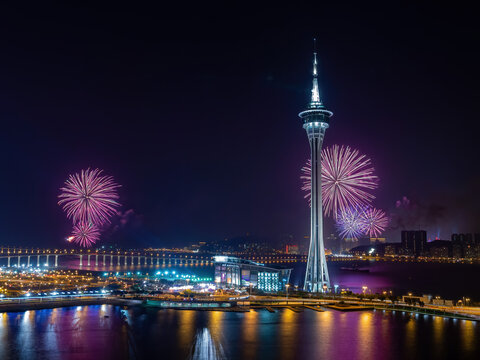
(194, 111)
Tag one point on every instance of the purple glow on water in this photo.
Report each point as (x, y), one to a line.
(109, 332)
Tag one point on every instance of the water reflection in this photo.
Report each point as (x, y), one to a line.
(4, 335)
(205, 348)
(468, 335)
(215, 324)
(186, 327)
(51, 331)
(411, 337)
(323, 333)
(288, 332)
(112, 333)
(365, 334)
(25, 335)
(250, 334)
(438, 335)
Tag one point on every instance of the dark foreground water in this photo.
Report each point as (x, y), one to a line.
(108, 332)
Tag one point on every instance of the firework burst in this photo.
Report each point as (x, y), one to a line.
(349, 223)
(347, 178)
(374, 220)
(89, 197)
(85, 234)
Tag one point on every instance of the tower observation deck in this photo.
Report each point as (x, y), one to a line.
(316, 119)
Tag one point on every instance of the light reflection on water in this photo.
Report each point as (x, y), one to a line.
(186, 328)
(109, 332)
(366, 330)
(215, 324)
(249, 334)
(50, 331)
(287, 332)
(468, 335)
(26, 334)
(438, 335)
(411, 336)
(4, 335)
(206, 348)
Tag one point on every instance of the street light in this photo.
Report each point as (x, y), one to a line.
(287, 286)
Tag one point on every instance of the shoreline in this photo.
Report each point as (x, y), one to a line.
(294, 306)
(21, 307)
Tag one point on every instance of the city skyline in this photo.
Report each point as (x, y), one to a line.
(152, 110)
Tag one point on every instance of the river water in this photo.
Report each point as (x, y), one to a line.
(450, 281)
(109, 332)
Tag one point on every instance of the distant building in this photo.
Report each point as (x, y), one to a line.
(425, 299)
(392, 249)
(476, 241)
(333, 243)
(232, 272)
(378, 240)
(363, 241)
(349, 243)
(470, 251)
(466, 246)
(370, 250)
(359, 250)
(457, 245)
(414, 242)
(440, 248)
(292, 249)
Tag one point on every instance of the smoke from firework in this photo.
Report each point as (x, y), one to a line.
(409, 214)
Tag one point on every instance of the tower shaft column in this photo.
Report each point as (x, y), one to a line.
(317, 273)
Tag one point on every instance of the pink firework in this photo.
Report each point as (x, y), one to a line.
(85, 234)
(349, 223)
(347, 178)
(89, 197)
(374, 220)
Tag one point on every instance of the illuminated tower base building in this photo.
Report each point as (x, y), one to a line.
(315, 121)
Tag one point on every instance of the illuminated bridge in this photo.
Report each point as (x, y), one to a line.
(10, 256)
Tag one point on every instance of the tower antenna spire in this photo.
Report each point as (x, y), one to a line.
(315, 91)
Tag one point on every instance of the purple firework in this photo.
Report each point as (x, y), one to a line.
(349, 223)
(85, 234)
(374, 220)
(89, 197)
(347, 178)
